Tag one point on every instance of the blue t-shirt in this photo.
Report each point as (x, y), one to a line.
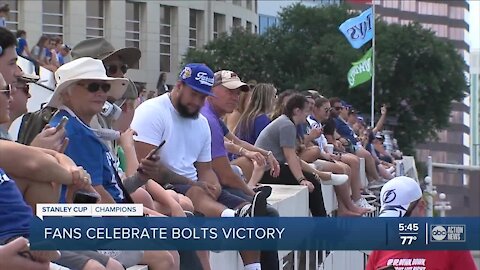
(345, 131)
(86, 150)
(15, 214)
(21, 43)
(60, 59)
(259, 123)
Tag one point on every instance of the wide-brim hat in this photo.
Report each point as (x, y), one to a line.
(100, 48)
(85, 68)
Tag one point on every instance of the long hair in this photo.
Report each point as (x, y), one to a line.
(41, 41)
(245, 98)
(261, 102)
(280, 104)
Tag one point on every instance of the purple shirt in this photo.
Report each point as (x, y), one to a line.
(217, 129)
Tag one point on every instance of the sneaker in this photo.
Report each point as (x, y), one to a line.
(364, 204)
(258, 207)
(376, 184)
(335, 180)
(370, 197)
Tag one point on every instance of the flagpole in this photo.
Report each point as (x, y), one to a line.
(373, 68)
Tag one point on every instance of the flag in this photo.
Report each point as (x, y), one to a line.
(358, 30)
(361, 70)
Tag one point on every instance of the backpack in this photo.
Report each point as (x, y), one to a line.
(33, 123)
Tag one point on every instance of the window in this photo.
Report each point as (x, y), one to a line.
(165, 37)
(194, 28)
(405, 22)
(218, 24)
(237, 22)
(249, 27)
(237, 2)
(132, 24)
(390, 3)
(12, 18)
(440, 30)
(457, 13)
(52, 17)
(95, 19)
(456, 33)
(389, 19)
(409, 5)
(437, 9)
(250, 4)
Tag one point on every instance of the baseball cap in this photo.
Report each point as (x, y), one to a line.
(230, 80)
(199, 77)
(397, 195)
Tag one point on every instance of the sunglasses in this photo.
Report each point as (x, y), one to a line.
(329, 109)
(8, 91)
(112, 69)
(95, 87)
(25, 88)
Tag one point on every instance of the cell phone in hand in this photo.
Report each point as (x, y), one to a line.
(150, 156)
(62, 123)
(85, 197)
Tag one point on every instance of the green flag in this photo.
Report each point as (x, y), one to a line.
(361, 70)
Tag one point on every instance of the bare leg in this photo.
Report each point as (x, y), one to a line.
(203, 203)
(161, 260)
(246, 165)
(142, 196)
(204, 257)
(310, 154)
(38, 192)
(383, 172)
(370, 167)
(355, 182)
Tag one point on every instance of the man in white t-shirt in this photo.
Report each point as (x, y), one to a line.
(186, 154)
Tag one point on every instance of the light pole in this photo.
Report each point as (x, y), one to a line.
(442, 205)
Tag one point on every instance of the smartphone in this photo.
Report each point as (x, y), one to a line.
(85, 197)
(62, 123)
(149, 157)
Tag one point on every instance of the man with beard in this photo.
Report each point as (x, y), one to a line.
(173, 118)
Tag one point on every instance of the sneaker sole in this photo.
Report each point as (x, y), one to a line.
(259, 203)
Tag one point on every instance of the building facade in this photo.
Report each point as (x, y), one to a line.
(162, 29)
(475, 106)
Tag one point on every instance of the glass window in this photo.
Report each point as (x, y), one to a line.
(456, 33)
(456, 13)
(194, 28)
(389, 19)
(390, 3)
(95, 19)
(132, 24)
(437, 9)
(250, 4)
(408, 5)
(237, 22)
(249, 27)
(12, 18)
(52, 17)
(165, 37)
(218, 24)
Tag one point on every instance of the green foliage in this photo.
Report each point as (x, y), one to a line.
(416, 73)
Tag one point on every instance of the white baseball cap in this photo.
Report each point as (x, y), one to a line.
(397, 195)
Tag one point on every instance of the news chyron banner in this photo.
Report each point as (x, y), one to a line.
(123, 227)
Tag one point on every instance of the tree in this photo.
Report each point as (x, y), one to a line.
(417, 73)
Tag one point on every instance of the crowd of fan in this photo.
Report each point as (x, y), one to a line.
(222, 141)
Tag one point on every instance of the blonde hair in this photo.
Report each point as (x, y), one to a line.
(261, 102)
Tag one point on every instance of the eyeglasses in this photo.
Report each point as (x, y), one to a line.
(338, 108)
(329, 109)
(25, 88)
(7, 92)
(95, 87)
(112, 69)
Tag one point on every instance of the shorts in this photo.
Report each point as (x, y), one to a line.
(127, 258)
(78, 259)
(226, 198)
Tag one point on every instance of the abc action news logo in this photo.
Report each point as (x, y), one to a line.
(447, 233)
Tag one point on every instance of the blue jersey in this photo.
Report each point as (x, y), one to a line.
(15, 214)
(86, 150)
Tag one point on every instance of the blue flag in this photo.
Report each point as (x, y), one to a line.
(358, 30)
